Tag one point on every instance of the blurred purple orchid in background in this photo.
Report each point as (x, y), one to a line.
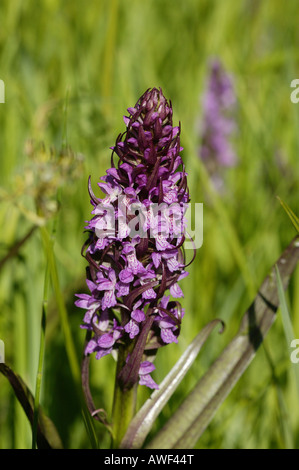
(218, 123)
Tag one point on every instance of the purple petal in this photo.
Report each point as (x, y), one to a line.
(176, 291)
(117, 333)
(146, 367)
(126, 275)
(168, 336)
(166, 322)
(173, 264)
(88, 317)
(164, 301)
(126, 120)
(103, 322)
(112, 275)
(91, 285)
(90, 347)
(148, 381)
(156, 257)
(132, 328)
(138, 315)
(105, 284)
(109, 300)
(161, 243)
(106, 340)
(103, 352)
(122, 289)
(149, 294)
(83, 302)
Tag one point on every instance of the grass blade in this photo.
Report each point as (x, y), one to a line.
(69, 344)
(47, 435)
(41, 358)
(294, 219)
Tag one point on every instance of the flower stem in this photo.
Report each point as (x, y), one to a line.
(41, 358)
(124, 402)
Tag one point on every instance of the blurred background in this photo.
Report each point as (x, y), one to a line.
(71, 69)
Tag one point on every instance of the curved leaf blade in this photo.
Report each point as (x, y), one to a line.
(47, 435)
(142, 423)
(188, 423)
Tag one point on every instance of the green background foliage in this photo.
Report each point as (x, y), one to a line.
(71, 69)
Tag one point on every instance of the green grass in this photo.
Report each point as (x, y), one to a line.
(70, 72)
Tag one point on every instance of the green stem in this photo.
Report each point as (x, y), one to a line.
(41, 358)
(124, 403)
(42, 338)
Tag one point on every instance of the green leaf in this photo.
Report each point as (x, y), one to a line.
(294, 219)
(188, 423)
(142, 423)
(47, 435)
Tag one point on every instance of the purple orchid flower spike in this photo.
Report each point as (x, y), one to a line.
(219, 124)
(134, 250)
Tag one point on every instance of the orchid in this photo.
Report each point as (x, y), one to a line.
(129, 273)
(136, 263)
